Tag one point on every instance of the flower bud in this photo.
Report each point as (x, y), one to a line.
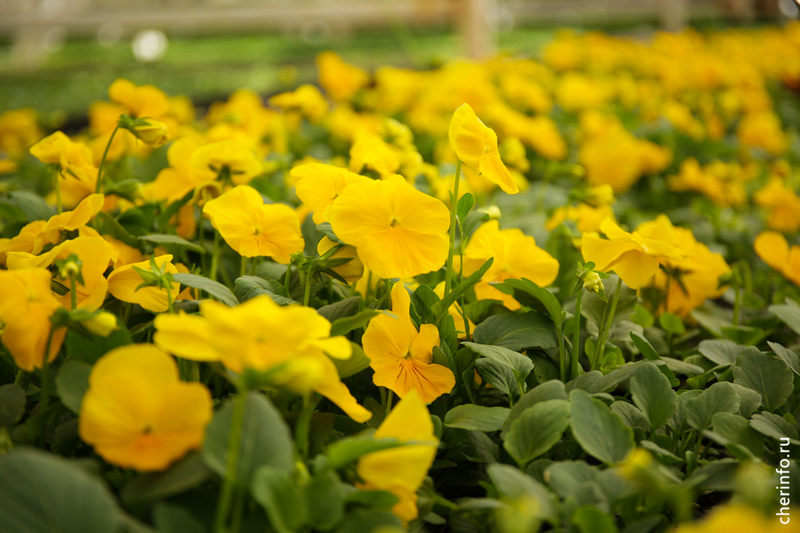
(101, 324)
(493, 211)
(69, 269)
(592, 282)
(153, 132)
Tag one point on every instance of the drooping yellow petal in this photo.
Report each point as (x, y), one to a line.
(772, 248)
(186, 336)
(123, 283)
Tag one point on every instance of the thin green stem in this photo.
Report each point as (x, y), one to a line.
(253, 266)
(737, 302)
(307, 292)
(448, 276)
(126, 313)
(601, 342)
(20, 376)
(57, 187)
(562, 354)
(288, 278)
(368, 296)
(303, 427)
(73, 293)
(215, 257)
(389, 400)
(234, 445)
(44, 395)
(243, 268)
(576, 336)
(169, 299)
(99, 186)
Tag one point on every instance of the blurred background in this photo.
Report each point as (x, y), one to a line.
(61, 55)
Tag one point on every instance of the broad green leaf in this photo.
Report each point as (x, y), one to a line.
(591, 382)
(682, 367)
(499, 376)
(265, 440)
(671, 323)
(12, 404)
(595, 309)
(550, 390)
(513, 484)
(744, 335)
(788, 356)
(517, 331)
(593, 520)
(325, 495)
(521, 365)
(344, 325)
(545, 297)
(476, 417)
(186, 474)
(283, 501)
(347, 450)
(666, 455)
(631, 415)
(649, 353)
(789, 313)
(566, 477)
(370, 520)
(173, 518)
(718, 398)
(751, 400)
(43, 493)
(766, 374)
(463, 207)
(537, 430)
(89, 350)
(72, 382)
(248, 287)
(653, 394)
(214, 288)
(107, 225)
(424, 299)
(774, 426)
(679, 419)
(737, 429)
(172, 240)
(342, 309)
(721, 352)
(33, 205)
(621, 374)
(601, 433)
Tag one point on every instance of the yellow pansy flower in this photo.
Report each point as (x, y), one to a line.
(123, 281)
(402, 470)
(351, 271)
(138, 414)
(140, 101)
(370, 151)
(341, 80)
(206, 162)
(401, 356)
(631, 256)
(515, 256)
(774, 250)
(318, 185)
(253, 228)
(26, 304)
(292, 341)
(397, 230)
(476, 146)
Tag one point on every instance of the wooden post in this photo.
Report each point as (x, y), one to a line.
(674, 14)
(477, 34)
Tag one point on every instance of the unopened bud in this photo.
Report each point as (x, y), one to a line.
(153, 132)
(101, 324)
(69, 270)
(493, 211)
(592, 282)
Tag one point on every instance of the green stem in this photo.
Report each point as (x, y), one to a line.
(448, 276)
(215, 257)
(243, 268)
(303, 427)
(288, 278)
(45, 391)
(389, 399)
(576, 336)
(307, 292)
(562, 354)
(601, 342)
(234, 445)
(253, 266)
(169, 299)
(73, 293)
(737, 302)
(368, 296)
(126, 313)
(20, 376)
(99, 186)
(57, 187)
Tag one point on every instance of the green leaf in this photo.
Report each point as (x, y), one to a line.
(463, 207)
(89, 350)
(265, 439)
(40, 492)
(631, 415)
(591, 382)
(12, 404)
(745, 335)
(277, 493)
(352, 365)
(550, 390)
(172, 240)
(326, 495)
(347, 450)
(497, 375)
(766, 374)
(537, 430)
(442, 307)
(248, 287)
(566, 477)
(342, 309)
(653, 394)
(521, 365)
(595, 309)
(601, 433)
(344, 325)
(721, 352)
(751, 400)
(718, 398)
(774, 426)
(671, 323)
(789, 313)
(593, 520)
(214, 288)
(476, 417)
(649, 353)
(424, 299)
(545, 297)
(737, 429)
(107, 225)
(788, 356)
(172, 518)
(517, 331)
(513, 484)
(186, 474)
(72, 382)
(33, 205)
